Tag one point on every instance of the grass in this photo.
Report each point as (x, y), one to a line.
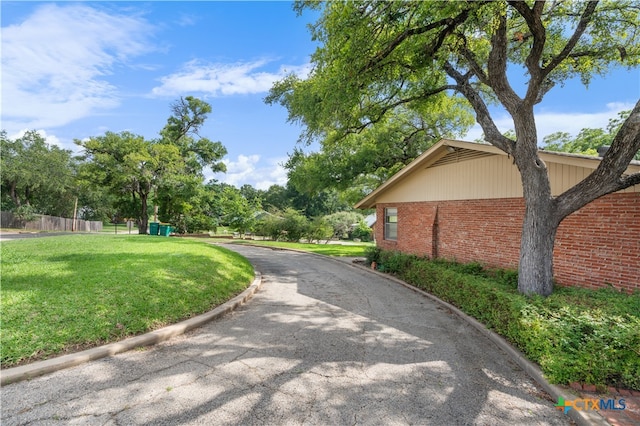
(61, 294)
(341, 250)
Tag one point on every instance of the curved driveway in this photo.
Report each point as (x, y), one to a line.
(320, 343)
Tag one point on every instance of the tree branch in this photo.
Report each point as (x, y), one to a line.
(585, 19)
(609, 176)
(533, 19)
(388, 107)
(473, 63)
(629, 181)
(497, 69)
(448, 23)
(483, 117)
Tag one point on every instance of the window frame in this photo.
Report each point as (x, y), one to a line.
(390, 230)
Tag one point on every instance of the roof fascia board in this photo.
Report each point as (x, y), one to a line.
(588, 162)
(482, 147)
(440, 149)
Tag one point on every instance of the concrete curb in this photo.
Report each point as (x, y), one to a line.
(25, 372)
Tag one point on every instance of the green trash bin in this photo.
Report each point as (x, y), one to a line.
(153, 228)
(165, 230)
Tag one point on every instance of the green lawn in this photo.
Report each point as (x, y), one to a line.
(66, 293)
(348, 250)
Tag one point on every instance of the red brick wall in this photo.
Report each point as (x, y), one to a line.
(600, 244)
(596, 246)
(415, 231)
(481, 230)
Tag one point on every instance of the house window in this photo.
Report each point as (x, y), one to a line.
(391, 223)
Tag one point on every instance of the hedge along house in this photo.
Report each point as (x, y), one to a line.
(463, 201)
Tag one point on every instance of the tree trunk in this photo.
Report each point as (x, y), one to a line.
(144, 215)
(535, 275)
(540, 224)
(14, 194)
(155, 203)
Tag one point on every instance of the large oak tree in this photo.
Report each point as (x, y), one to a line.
(376, 56)
(168, 170)
(128, 167)
(181, 197)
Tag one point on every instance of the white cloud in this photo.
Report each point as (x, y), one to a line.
(249, 169)
(50, 139)
(275, 175)
(187, 20)
(224, 79)
(243, 166)
(549, 122)
(56, 62)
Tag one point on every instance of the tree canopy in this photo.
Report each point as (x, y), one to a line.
(168, 171)
(129, 167)
(36, 174)
(356, 163)
(588, 140)
(377, 56)
(180, 195)
(182, 130)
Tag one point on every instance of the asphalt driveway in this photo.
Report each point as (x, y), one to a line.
(321, 343)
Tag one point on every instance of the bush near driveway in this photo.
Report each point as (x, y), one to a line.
(575, 334)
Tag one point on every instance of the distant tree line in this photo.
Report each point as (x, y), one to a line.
(122, 175)
(119, 176)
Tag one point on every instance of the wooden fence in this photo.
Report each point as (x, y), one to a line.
(49, 223)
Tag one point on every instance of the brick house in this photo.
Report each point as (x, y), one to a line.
(463, 201)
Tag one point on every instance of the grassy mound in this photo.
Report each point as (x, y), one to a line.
(62, 294)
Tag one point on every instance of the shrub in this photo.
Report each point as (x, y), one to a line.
(294, 225)
(25, 214)
(396, 262)
(342, 222)
(575, 335)
(288, 225)
(372, 254)
(318, 229)
(574, 343)
(362, 231)
(269, 226)
(193, 223)
(504, 276)
(473, 268)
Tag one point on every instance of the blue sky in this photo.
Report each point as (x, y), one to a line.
(72, 70)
